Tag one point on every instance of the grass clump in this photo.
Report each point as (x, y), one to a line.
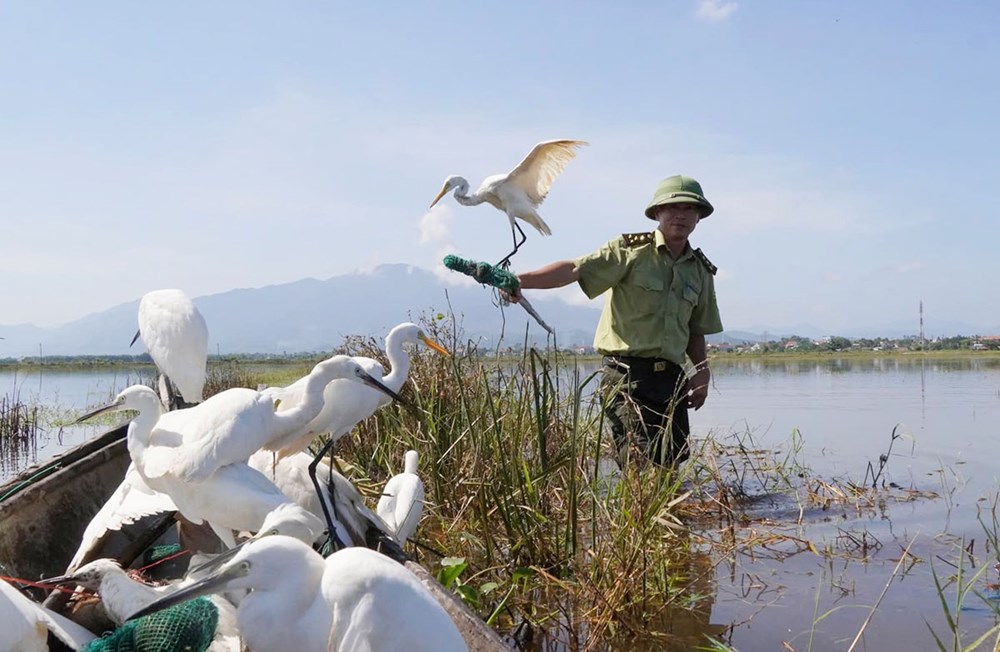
(520, 488)
(18, 432)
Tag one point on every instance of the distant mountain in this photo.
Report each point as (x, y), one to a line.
(316, 315)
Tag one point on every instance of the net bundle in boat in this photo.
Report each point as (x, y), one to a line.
(188, 627)
(154, 554)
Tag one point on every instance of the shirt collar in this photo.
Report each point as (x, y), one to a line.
(661, 245)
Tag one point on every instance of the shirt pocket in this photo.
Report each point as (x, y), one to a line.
(689, 301)
(647, 293)
(690, 294)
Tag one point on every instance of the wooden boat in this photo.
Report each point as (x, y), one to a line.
(44, 511)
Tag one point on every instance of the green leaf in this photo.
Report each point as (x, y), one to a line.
(488, 588)
(452, 568)
(469, 595)
(523, 573)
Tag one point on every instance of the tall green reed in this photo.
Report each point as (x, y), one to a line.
(520, 485)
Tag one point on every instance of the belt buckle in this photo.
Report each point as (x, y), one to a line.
(660, 366)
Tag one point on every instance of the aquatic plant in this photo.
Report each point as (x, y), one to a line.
(18, 431)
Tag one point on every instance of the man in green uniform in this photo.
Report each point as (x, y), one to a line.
(660, 308)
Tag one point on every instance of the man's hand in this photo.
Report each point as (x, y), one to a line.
(697, 388)
(511, 298)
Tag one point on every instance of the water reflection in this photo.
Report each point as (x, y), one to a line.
(680, 620)
(792, 366)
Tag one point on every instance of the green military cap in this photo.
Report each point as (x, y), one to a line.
(679, 189)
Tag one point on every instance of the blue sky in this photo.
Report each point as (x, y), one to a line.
(849, 147)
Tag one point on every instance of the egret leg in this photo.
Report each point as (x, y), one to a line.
(225, 535)
(505, 261)
(164, 386)
(334, 537)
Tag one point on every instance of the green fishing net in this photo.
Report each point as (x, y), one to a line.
(154, 554)
(485, 273)
(186, 627)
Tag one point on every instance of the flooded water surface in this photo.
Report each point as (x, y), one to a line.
(837, 416)
(844, 413)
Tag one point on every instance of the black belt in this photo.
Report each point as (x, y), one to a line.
(640, 364)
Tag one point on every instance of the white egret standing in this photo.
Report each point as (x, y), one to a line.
(402, 500)
(345, 403)
(25, 625)
(344, 406)
(176, 337)
(355, 599)
(519, 192)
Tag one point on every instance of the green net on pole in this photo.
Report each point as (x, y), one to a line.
(186, 627)
(485, 273)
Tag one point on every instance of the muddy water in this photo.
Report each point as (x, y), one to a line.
(843, 413)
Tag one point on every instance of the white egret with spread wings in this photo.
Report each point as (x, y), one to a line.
(519, 192)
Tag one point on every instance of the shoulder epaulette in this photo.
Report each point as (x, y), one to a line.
(637, 239)
(699, 254)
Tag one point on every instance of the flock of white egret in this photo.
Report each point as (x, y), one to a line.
(236, 462)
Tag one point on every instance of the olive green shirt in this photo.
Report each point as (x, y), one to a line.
(656, 301)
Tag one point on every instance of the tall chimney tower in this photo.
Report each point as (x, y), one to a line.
(922, 342)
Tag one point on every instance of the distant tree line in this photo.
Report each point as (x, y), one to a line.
(795, 343)
(840, 343)
(142, 359)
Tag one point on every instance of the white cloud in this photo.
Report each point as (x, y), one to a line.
(435, 225)
(451, 277)
(715, 10)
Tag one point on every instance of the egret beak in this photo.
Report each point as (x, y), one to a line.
(211, 584)
(439, 196)
(367, 379)
(59, 580)
(110, 407)
(134, 339)
(203, 570)
(434, 345)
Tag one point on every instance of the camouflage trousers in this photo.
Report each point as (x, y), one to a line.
(644, 399)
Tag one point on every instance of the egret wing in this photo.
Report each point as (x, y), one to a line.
(73, 635)
(535, 174)
(132, 500)
(409, 506)
(226, 429)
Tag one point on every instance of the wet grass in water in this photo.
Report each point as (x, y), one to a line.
(18, 433)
